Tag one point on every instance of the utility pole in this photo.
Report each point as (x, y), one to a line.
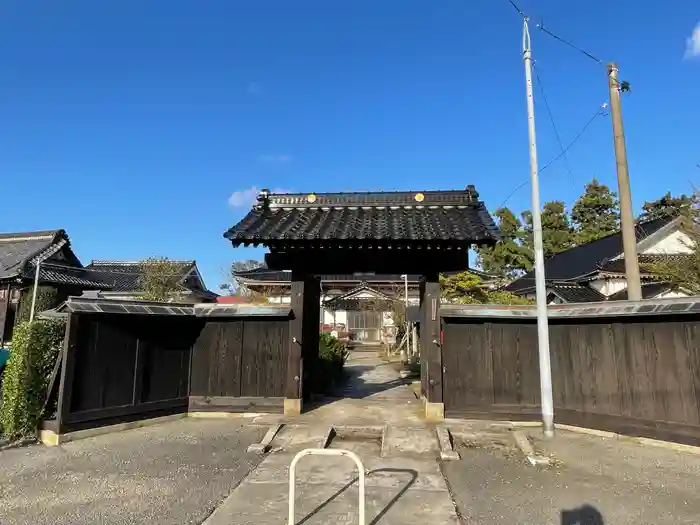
(629, 237)
(546, 402)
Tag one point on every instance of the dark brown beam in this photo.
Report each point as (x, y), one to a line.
(323, 262)
(431, 350)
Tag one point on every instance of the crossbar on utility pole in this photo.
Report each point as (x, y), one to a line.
(629, 238)
(546, 401)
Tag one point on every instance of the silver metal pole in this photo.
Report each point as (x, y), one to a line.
(540, 287)
(36, 287)
(405, 352)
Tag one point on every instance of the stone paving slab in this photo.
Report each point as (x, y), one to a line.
(410, 441)
(398, 491)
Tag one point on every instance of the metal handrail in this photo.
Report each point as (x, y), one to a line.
(326, 452)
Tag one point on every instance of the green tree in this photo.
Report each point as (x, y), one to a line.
(160, 279)
(467, 288)
(667, 206)
(508, 258)
(557, 233)
(596, 213)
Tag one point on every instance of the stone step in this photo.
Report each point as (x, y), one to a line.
(401, 441)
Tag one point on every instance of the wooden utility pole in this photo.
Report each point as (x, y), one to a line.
(629, 238)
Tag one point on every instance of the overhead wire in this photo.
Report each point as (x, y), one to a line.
(520, 11)
(571, 44)
(597, 114)
(551, 118)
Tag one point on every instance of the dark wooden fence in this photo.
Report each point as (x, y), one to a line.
(129, 360)
(119, 368)
(634, 374)
(239, 365)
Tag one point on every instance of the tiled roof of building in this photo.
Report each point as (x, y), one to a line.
(445, 216)
(585, 259)
(617, 266)
(17, 249)
(60, 274)
(575, 293)
(125, 276)
(649, 291)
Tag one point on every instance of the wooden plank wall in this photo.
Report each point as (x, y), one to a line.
(239, 365)
(632, 375)
(121, 368)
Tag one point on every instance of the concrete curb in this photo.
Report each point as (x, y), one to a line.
(264, 445)
(447, 451)
(225, 415)
(589, 431)
(382, 447)
(327, 438)
(668, 445)
(51, 439)
(523, 443)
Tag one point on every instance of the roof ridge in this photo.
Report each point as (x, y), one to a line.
(377, 199)
(108, 262)
(39, 235)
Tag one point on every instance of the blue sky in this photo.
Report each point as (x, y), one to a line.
(141, 126)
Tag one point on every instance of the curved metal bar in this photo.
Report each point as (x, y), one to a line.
(326, 452)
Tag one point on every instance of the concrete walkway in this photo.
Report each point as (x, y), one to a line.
(379, 419)
(373, 394)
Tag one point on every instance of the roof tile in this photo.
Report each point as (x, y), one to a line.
(456, 216)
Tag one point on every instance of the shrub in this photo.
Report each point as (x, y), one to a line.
(332, 354)
(46, 298)
(35, 347)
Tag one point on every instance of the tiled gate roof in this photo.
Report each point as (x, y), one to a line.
(454, 217)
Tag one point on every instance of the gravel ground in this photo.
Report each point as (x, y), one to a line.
(172, 473)
(594, 481)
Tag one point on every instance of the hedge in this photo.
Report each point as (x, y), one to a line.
(332, 355)
(35, 347)
(46, 298)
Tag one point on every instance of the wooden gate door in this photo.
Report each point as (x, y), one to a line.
(468, 375)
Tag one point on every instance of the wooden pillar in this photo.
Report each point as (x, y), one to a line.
(70, 345)
(4, 309)
(431, 351)
(303, 340)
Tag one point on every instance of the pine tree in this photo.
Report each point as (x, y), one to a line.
(667, 206)
(557, 233)
(508, 258)
(595, 214)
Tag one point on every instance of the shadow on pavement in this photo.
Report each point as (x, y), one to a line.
(584, 515)
(411, 472)
(354, 386)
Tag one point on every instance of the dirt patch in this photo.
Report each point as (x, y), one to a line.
(500, 444)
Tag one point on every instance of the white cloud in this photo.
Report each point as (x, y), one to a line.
(275, 159)
(239, 199)
(246, 198)
(692, 43)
